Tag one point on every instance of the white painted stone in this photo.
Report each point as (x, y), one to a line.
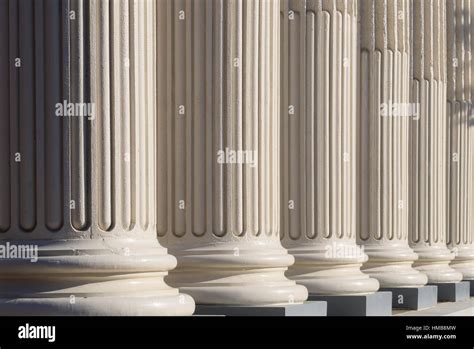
(218, 213)
(90, 213)
(318, 211)
(460, 38)
(384, 116)
(428, 202)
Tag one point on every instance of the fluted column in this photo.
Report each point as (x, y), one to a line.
(76, 182)
(384, 116)
(318, 218)
(428, 143)
(218, 145)
(460, 203)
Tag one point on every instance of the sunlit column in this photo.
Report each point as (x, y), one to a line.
(318, 210)
(218, 151)
(428, 143)
(384, 116)
(77, 166)
(460, 123)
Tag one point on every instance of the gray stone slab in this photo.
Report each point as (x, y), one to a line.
(306, 309)
(375, 304)
(471, 286)
(453, 291)
(413, 297)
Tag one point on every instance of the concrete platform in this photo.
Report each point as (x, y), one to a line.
(413, 298)
(306, 309)
(471, 286)
(453, 292)
(376, 304)
(461, 308)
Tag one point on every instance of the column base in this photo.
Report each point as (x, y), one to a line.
(375, 304)
(241, 273)
(453, 291)
(464, 262)
(331, 269)
(172, 305)
(413, 297)
(305, 309)
(439, 272)
(391, 264)
(434, 262)
(91, 277)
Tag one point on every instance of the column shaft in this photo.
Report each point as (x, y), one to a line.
(218, 146)
(81, 139)
(428, 143)
(318, 211)
(384, 138)
(460, 154)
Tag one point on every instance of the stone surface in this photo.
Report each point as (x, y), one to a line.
(383, 178)
(86, 208)
(413, 297)
(305, 309)
(461, 308)
(218, 88)
(460, 36)
(318, 189)
(375, 304)
(428, 166)
(453, 291)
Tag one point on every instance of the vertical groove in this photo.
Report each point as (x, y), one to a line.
(149, 114)
(199, 131)
(53, 124)
(79, 216)
(163, 88)
(103, 162)
(26, 132)
(126, 150)
(116, 97)
(14, 112)
(5, 151)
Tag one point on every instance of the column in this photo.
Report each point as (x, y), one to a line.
(384, 117)
(460, 202)
(218, 151)
(76, 163)
(318, 108)
(428, 226)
